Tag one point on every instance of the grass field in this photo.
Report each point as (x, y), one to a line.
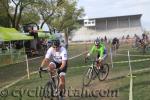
(28, 89)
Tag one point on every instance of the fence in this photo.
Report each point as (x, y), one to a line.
(135, 63)
(16, 65)
(11, 56)
(15, 71)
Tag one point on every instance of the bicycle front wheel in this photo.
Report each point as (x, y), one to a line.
(47, 92)
(87, 76)
(104, 72)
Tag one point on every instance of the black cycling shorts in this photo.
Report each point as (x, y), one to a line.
(58, 66)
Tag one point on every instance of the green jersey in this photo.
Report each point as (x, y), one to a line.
(99, 50)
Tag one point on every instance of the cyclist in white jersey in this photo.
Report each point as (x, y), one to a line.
(56, 57)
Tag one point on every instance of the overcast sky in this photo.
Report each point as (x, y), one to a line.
(107, 8)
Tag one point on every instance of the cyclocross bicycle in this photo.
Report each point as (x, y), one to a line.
(93, 71)
(51, 88)
(142, 47)
(115, 47)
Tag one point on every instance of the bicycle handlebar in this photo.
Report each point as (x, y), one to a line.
(42, 70)
(91, 60)
(45, 70)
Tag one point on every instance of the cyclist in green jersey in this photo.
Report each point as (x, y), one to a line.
(101, 51)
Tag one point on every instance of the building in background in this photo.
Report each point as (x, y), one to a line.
(111, 27)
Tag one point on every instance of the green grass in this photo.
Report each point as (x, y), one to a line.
(116, 80)
(12, 72)
(141, 87)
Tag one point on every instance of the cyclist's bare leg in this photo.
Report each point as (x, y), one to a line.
(62, 84)
(52, 66)
(103, 60)
(98, 65)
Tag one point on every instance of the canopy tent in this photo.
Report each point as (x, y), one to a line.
(11, 34)
(42, 34)
(3, 37)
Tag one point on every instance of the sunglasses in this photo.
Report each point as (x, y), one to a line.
(55, 47)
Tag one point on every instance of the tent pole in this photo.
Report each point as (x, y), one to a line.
(23, 47)
(10, 49)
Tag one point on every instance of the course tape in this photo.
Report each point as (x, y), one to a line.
(141, 70)
(126, 49)
(42, 56)
(134, 55)
(18, 80)
(24, 60)
(7, 86)
(77, 55)
(13, 83)
(139, 60)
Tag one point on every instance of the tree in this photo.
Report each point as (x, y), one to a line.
(30, 16)
(15, 8)
(4, 21)
(61, 15)
(66, 18)
(47, 9)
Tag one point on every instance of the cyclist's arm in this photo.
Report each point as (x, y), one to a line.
(101, 52)
(64, 62)
(46, 60)
(64, 59)
(92, 50)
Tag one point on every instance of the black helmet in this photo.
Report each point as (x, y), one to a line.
(49, 43)
(97, 42)
(56, 43)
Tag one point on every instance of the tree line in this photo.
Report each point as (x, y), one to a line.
(61, 15)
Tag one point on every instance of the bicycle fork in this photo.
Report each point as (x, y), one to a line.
(89, 73)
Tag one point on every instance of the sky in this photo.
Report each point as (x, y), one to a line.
(108, 8)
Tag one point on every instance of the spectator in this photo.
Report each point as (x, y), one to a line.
(33, 33)
(105, 39)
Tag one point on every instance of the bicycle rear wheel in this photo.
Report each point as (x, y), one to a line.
(87, 76)
(103, 73)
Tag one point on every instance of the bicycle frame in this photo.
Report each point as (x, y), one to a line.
(49, 74)
(97, 71)
(94, 71)
(94, 68)
(51, 80)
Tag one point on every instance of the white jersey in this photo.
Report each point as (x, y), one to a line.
(57, 56)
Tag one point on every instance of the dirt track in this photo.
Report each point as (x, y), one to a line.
(97, 90)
